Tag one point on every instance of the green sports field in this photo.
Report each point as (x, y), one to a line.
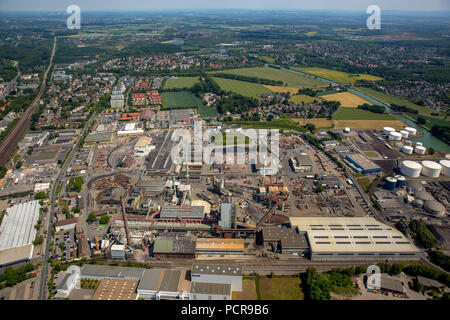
(180, 100)
(338, 76)
(180, 82)
(290, 78)
(358, 114)
(207, 112)
(246, 89)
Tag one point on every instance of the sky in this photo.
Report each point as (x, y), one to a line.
(128, 5)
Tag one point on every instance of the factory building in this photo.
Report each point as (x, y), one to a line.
(118, 252)
(68, 282)
(66, 224)
(217, 273)
(174, 247)
(17, 233)
(210, 291)
(218, 246)
(354, 238)
(93, 271)
(183, 212)
(363, 163)
(226, 215)
(301, 163)
(104, 137)
(285, 240)
(116, 289)
(162, 284)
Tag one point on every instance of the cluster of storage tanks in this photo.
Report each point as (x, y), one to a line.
(397, 136)
(427, 168)
(395, 182)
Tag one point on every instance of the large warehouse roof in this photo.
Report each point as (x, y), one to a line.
(17, 228)
(352, 234)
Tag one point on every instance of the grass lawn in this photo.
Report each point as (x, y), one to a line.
(347, 99)
(286, 124)
(280, 288)
(371, 154)
(246, 89)
(364, 183)
(267, 59)
(338, 76)
(344, 113)
(290, 78)
(180, 100)
(387, 99)
(207, 112)
(298, 99)
(180, 82)
(248, 291)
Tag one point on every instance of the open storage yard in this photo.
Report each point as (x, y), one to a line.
(290, 78)
(347, 99)
(338, 76)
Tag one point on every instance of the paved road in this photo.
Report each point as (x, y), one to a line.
(45, 268)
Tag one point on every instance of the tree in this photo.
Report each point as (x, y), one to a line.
(104, 219)
(92, 218)
(431, 151)
(421, 120)
(40, 195)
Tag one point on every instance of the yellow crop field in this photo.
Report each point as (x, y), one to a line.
(318, 122)
(347, 99)
(368, 124)
(279, 89)
(339, 76)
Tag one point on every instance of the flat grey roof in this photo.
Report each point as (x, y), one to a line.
(99, 136)
(171, 280)
(391, 284)
(111, 271)
(185, 212)
(211, 288)
(150, 279)
(216, 269)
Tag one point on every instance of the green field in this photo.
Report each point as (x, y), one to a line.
(358, 114)
(299, 98)
(180, 100)
(338, 76)
(387, 99)
(431, 121)
(286, 124)
(180, 82)
(246, 89)
(207, 112)
(290, 78)
(280, 288)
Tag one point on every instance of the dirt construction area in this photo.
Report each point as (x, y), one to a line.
(347, 99)
(368, 124)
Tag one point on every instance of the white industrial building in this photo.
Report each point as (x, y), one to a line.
(217, 273)
(69, 282)
(163, 284)
(354, 238)
(17, 233)
(118, 251)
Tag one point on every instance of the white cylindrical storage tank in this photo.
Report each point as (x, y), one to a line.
(419, 144)
(411, 131)
(431, 169)
(347, 130)
(388, 130)
(445, 167)
(447, 156)
(407, 149)
(420, 150)
(410, 168)
(404, 133)
(395, 136)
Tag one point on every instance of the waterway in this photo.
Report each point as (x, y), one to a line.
(427, 139)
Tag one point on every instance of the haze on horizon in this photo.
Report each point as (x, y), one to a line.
(130, 5)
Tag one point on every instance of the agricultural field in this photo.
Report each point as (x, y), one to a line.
(282, 124)
(180, 82)
(207, 112)
(291, 79)
(338, 76)
(387, 99)
(303, 98)
(246, 89)
(180, 100)
(318, 122)
(368, 124)
(280, 288)
(345, 113)
(279, 89)
(347, 99)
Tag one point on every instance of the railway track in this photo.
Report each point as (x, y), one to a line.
(9, 144)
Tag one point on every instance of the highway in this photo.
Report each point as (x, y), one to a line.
(10, 142)
(45, 268)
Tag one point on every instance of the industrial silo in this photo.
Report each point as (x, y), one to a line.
(404, 133)
(431, 169)
(390, 183)
(445, 167)
(395, 136)
(420, 150)
(401, 181)
(407, 149)
(434, 207)
(411, 131)
(388, 130)
(410, 168)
